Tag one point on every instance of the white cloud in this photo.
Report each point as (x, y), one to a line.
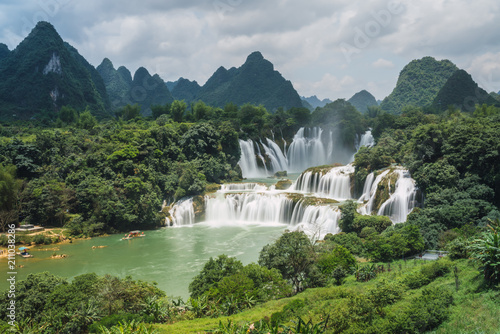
(485, 70)
(383, 63)
(192, 38)
(329, 86)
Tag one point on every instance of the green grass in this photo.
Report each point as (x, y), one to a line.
(475, 309)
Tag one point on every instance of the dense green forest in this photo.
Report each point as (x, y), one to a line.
(95, 177)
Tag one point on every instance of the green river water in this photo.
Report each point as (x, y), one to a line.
(169, 256)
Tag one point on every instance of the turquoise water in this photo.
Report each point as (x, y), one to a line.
(169, 256)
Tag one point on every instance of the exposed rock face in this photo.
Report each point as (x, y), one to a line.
(45, 73)
(54, 65)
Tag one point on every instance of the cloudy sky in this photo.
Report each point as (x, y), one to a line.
(328, 48)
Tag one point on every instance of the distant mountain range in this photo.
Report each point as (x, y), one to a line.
(314, 102)
(44, 73)
(144, 89)
(186, 90)
(254, 82)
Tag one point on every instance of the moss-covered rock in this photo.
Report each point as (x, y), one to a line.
(283, 184)
(199, 208)
(212, 187)
(309, 200)
(385, 188)
(280, 174)
(322, 169)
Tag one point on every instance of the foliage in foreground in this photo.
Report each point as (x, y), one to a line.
(385, 304)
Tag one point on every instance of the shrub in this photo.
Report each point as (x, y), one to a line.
(457, 249)
(340, 256)
(435, 269)
(114, 319)
(416, 280)
(386, 293)
(430, 309)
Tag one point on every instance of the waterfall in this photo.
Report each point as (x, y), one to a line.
(366, 140)
(249, 208)
(372, 193)
(316, 221)
(403, 200)
(310, 147)
(334, 184)
(367, 187)
(248, 161)
(181, 213)
(268, 208)
(278, 160)
(242, 187)
(306, 151)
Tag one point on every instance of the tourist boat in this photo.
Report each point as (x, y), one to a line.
(24, 252)
(133, 235)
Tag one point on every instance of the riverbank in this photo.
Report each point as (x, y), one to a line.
(56, 235)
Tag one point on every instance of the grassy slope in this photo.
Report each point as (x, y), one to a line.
(474, 310)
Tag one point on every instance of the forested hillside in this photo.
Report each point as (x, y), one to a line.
(43, 74)
(418, 84)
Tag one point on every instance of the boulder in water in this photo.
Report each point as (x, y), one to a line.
(280, 174)
(283, 184)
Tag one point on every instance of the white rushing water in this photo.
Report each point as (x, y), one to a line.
(334, 184)
(255, 203)
(256, 208)
(366, 140)
(306, 150)
(310, 147)
(370, 192)
(403, 200)
(242, 187)
(181, 213)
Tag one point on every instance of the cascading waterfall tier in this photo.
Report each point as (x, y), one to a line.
(333, 183)
(181, 213)
(310, 147)
(242, 187)
(402, 201)
(391, 192)
(402, 195)
(306, 150)
(258, 208)
(272, 208)
(316, 221)
(366, 140)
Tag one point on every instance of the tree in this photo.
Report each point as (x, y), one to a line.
(339, 257)
(158, 110)
(177, 110)
(9, 191)
(68, 115)
(87, 121)
(348, 214)
(212, 273)
(486, 251)
(292, 254)
(130, 112)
